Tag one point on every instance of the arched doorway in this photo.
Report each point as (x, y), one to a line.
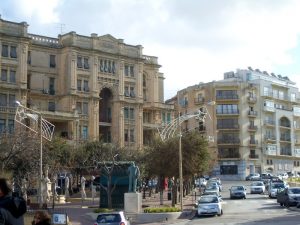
(105, 115)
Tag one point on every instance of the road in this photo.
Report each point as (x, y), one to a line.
(257, 209)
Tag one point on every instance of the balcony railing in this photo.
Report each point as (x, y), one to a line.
(252, 113)
(227, 97)
(270, 137)
(283, 138)
(7, 109)
(228, 141)
(286, 151)
(199, 101)
(253, 156)
(227, 112)
(252, 127)
(285, 125)
(253, 142)
(269, 122)
(229, 155)
(229, 126)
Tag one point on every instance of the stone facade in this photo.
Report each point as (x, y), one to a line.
(254, 125)
(90, 88)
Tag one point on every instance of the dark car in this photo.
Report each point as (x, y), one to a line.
(289, 196)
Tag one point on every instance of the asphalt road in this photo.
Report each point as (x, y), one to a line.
(257, 209)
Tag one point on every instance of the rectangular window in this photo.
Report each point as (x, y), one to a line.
(79, 85)
(2, 126)
(3, 100)
(52, 61)
(131, 113)
(86, 63)
(126, 135)
(52, 86)
(4, 75)
(78, 107)
(126, 70)
(126, 113)
(4, 52)
(131, 71)
(131, 135)
(266, 91)
(29, 57)
(101, 65)
(228, 169)
(132, 93)
(13, 52)
(11, 126)
(51, 106)
(12, 76)
(86, 86)
(11, 100)
(281, 95)
(293, 97)
(85, 108)
(126, 91)
(84, 132)
(79, 62)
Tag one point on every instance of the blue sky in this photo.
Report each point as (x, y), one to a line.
(194, 40)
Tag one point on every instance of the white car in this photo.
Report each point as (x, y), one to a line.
(273, 189)
(283, 176)
(209, 205)
(257, 187)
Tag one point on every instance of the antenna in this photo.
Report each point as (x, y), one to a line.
(61, 27)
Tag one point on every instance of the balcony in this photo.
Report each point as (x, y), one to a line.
(297, 141)
(285, 125)
(228, 127)
(227, 112)
(7, 109)
(285, 139)
(270, 138)
(285, 152)
(228, 141)
(253, 142)
(229, 155)
(252, 128)
(269, 122)
(253, 156)
(252, 113)
(199, 101)
(251, 99)
(269, 109)
(271, 152)
(227, 97)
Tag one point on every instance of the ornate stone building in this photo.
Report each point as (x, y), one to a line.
(89, 87)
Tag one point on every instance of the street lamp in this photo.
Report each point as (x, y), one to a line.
(34, 121)
(169, 131)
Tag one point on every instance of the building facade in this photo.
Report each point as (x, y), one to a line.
(253, 125)
(90, 87)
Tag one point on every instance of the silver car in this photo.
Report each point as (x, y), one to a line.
(112, 218)
(209, 205)
(238, 192)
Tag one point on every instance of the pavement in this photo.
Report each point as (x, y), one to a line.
(81, 212)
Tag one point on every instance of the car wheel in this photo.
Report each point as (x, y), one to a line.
(287, 205)
(281, 204)
(221, 213)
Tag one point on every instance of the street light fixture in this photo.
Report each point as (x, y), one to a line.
(34, 121)
(169, 131)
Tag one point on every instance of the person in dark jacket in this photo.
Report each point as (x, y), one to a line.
(41, 218)
(8, 208)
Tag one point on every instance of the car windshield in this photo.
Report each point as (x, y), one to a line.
(257, 184)
(237, 188)
(277, 186)
(208, 199)
(109, 218)
(294, 191)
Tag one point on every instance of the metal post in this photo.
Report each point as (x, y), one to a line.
(180, 168)
(41, 163)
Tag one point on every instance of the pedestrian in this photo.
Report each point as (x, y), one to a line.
(10, 210)
(41, 218)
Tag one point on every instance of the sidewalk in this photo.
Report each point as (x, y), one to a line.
(80, 212)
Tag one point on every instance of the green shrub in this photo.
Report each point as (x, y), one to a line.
(103, 210)
(161, 209)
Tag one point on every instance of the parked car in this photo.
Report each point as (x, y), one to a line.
(283, 176)
(253, 176)
(209, 205)
(212, 189)
(257, 187)
(274, 187)
(112, 218)
(289, 196)
(238, 192)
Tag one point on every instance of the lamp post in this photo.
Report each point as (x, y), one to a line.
(169, 131)
(34, 121)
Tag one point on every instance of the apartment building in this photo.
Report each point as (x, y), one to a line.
(90, 87)
(253, 125)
